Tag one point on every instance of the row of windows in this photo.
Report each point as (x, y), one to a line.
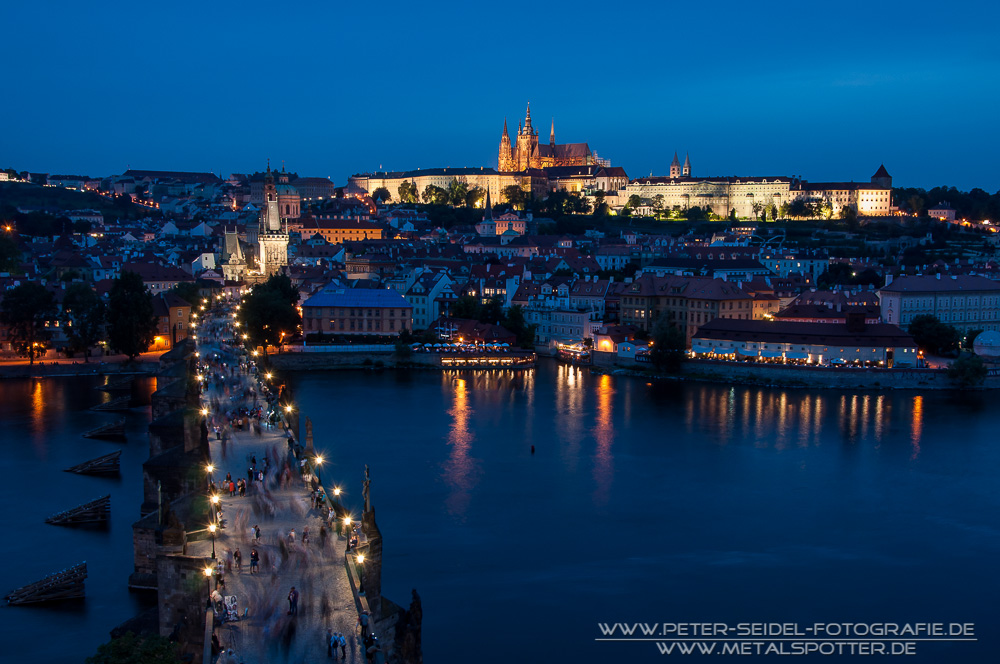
(367, 325)
(338, 311)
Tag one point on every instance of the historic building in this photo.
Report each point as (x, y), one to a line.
(747, 196)
(488, 179)
(233, 262)
(288, 197)
(526, 152)
(968, 302)
(272, 238)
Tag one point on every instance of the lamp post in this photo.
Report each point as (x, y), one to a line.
(361, 574)
(211, 529)
(215, 508)
(208, 584)
(211, 469)
(319, 477)
(347, 531)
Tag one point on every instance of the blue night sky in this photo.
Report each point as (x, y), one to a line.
(826, 91)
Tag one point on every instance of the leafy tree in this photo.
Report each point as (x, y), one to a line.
(132, 649)
(473, 197)
(407, 192)
(695, 213)
(602, 210)
(970, 338)
(457, 192)
(633, 201)
(514, 195)
(774, 212)
(83, 316)
(916, 204)
(669, 346)
(435, 194)
(492, 310)
(131, 323)
(187, 291)
(383, 193)
(514, 321)
(467, 307)
(933, 336)
(269, 310)
(577, 204)
(10, 253)
(658, 203)
(24, 311)
(967, 371)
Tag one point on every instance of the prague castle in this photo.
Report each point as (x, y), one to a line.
(527, 153)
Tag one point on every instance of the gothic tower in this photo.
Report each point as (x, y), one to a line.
(505, 161)
(686, 172)
(552, 135)
(272, 238)
(675, 167)
(527, 142)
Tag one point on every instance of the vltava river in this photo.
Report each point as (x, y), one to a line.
(656, 503)
(664, 503)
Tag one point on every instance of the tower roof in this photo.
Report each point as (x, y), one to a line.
(881, 172)
(552, 133)
(676, 161)
(505, 127)
(687, 160)
(489, 208)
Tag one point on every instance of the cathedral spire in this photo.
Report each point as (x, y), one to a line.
(687, 165)
(268, 164)
(505, 128)
(527, 119)
(552, 133)
(489, 208)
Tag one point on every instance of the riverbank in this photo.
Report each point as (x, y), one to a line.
(53, 369)
(760, 375)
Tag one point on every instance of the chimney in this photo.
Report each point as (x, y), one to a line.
(888, 278)
(938, 276)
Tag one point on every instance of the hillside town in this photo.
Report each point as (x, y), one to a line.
(555, 250)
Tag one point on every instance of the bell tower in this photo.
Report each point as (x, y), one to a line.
(505, 160)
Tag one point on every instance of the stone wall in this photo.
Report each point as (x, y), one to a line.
(182, 596)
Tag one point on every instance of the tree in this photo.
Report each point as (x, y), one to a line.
(916, 204)
(187, 291)
(756, 207)
(83, 315)
(268, 313)
(24, 311)
(473, 197)
(669, 346)
(457, 191)
(695, 213)
(634, 201)
(132, 649)
(970, 338)
(381, 193)
(514, 195)
(467, 307)
(492, 310)
(658, 203)
(577, 204)
(967, 371)
(933, 336)
(131, 323)
(514, 321)
(407, 192)
(434, 194)
(10, 253)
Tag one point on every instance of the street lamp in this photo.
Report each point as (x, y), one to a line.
(211, 529)
(361, 574)
(211, 469)
(319, 462)
(208, 584)
(215, 507)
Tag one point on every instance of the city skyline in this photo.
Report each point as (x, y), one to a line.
(821, 97)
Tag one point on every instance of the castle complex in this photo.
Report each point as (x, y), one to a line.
(527, 153)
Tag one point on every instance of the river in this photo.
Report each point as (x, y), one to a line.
(642, 502)
(664, 503)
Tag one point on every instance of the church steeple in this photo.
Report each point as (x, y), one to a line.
(489, 208)
(686, 172)
(675, 167)
(527, 121)
(552, 134)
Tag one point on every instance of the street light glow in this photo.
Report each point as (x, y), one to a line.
(208, 571)
(211, 528)
(361, 558)
(210, 468)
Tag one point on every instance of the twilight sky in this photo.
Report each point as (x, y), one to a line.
(827, 91)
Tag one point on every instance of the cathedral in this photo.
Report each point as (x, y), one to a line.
(527, 153)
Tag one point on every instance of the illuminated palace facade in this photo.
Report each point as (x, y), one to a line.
(681, 190)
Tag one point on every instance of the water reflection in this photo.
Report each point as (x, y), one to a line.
(461, 469)
(917, 426)
(604, 435)
(569, 412)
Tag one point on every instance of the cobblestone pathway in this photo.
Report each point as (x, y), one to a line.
(326, 601)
